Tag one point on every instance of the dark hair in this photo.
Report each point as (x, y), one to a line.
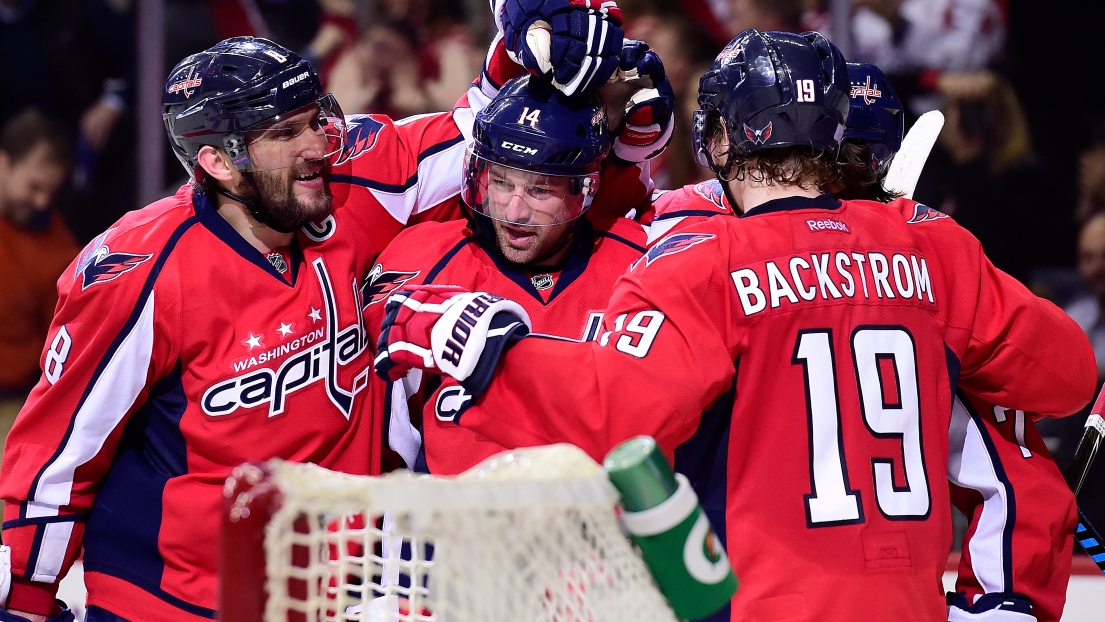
(31, 128)
(858, 179)
(802, 166)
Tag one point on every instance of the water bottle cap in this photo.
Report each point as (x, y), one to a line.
(641, 474)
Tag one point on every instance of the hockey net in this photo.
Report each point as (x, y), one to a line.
(526, 535)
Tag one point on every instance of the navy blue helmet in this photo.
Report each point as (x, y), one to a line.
(772, 89)
(876, 118)
(216, 96)
(550, 143)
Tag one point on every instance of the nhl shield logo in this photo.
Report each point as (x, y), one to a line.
(542, 281)
(277, 261)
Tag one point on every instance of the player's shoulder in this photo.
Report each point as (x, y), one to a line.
(627, 232)
(425, 242)
(704, 198)
(133, 244)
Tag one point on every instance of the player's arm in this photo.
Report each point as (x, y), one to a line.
(100, 357)
(643, 375)
(1016, 550)
(1023, 352)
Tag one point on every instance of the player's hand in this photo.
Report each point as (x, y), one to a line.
(574, 42)
(449, 330)
(996, 606)
(19, 616)
(646, 127)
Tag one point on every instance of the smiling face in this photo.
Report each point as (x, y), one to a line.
(290, 168)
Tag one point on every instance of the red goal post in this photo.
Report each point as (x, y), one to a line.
(527, 535)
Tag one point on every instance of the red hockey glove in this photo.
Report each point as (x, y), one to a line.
(575, 42)
(449, 330)
(650, 112)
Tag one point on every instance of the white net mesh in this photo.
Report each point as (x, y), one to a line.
(527, 535)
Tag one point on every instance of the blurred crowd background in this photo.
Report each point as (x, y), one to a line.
(1020, 163)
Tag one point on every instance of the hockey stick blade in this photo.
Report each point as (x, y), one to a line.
(905, 168)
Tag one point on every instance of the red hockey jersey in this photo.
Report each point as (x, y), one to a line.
(1020, 511)
(179, 351)
(817, 344)
(567, 303)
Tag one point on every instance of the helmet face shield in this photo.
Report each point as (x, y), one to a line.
(520, 197)
(306, 137)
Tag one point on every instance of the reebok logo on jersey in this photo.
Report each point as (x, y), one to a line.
(924, 213)
(671, 245)
(827, 225)
(380, 284)
(361, 133)
(97, 264)
(451, 403)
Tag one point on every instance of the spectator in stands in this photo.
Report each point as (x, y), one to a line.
(985, 172)
(35, 247)
(75, 60)
(1091, 176)
(914, 41)
(1086, 309)
(415, 56)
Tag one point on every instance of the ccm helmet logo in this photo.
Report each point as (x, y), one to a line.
(299, 78)
(519, 148)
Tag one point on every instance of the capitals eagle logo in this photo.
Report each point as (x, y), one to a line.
(98, 264)
(361, 133)
(671, 245)
(924, 213)
(379, 284)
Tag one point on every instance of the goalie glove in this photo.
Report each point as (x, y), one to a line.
(450, 330)
(992, 607)
(645, 130)
(576, 43)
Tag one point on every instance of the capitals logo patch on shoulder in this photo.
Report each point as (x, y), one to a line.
(98, 264)
(675, 243)
(924, 213)
(380, 284)
(711, 191)
(361, 133)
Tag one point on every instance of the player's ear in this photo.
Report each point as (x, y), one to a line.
(216, 164)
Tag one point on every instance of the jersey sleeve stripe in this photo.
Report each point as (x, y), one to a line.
(51, 542)
(111, 391)
(379, 186)
(613, 236)
(972, 464)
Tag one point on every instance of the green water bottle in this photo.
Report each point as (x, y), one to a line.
(662, 515)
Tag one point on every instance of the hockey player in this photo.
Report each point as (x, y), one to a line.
(537, 165)
(850, 324)
(222, 325)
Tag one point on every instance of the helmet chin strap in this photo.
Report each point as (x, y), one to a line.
(254, 206)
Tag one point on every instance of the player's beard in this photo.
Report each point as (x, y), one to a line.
(277, 198)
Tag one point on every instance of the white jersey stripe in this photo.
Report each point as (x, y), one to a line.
(970, 465)
(113, 394)
(51, 552)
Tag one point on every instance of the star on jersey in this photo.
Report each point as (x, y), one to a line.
(254, 341)
(315, 315)
(286, 329)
